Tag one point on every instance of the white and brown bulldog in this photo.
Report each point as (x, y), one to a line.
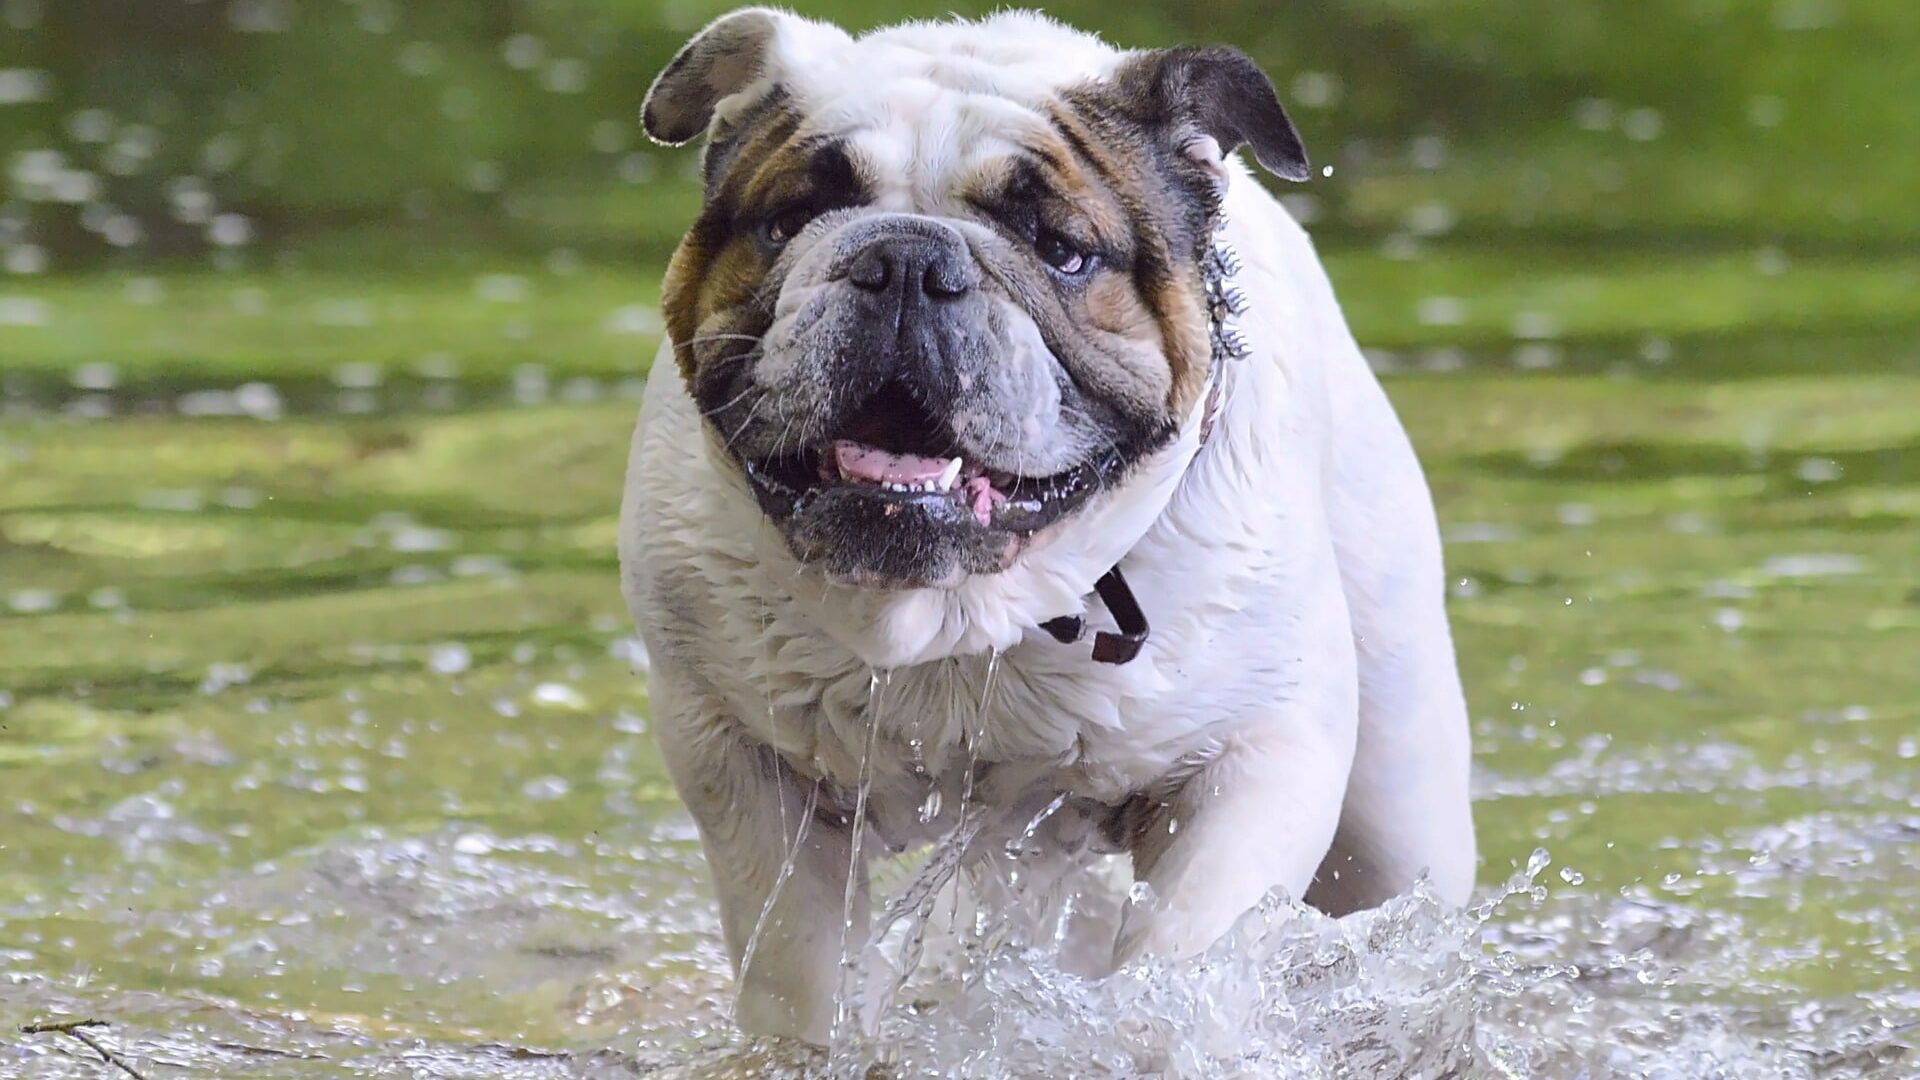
(984, 338)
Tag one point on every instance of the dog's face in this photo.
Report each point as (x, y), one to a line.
(944, 290)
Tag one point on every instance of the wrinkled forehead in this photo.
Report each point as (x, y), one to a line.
(926, 109)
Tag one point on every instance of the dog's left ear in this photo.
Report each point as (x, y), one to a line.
(1211, 100)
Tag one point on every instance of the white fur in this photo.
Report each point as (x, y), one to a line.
(1300, 656)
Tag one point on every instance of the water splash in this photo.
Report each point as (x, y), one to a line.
(1503, 988)
(1288, 992)
(899, 937)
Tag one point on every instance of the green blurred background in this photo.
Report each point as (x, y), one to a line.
(1503, 171)
(132, 125)
(1692, 148)
(371, 136)
(320, 327)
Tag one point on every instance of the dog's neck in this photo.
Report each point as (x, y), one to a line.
(1225, 301)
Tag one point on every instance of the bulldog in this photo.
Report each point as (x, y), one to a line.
(1009, 466)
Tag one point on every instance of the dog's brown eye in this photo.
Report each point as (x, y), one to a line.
(1058, 252)
(787, 224)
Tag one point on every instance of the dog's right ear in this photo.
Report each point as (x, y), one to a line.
(738, 52)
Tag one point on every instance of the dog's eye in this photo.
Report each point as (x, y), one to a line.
(787, 224)
(1058, 252)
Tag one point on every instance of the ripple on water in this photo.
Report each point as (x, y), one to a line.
(619, 933)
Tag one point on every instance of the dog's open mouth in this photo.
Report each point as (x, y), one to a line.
(898, 454)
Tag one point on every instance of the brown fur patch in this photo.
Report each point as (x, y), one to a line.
(1124, 188)
(718, 270)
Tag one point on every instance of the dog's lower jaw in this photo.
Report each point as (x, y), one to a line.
(1052, 575)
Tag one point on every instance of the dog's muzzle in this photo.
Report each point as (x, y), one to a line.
(910, 474)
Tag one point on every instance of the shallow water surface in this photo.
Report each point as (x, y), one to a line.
(322, 755)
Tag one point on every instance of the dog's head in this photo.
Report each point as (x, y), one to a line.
(944, 292)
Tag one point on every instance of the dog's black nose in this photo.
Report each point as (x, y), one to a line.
(915, 266)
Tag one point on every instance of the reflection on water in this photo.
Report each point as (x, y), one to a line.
(321, 754)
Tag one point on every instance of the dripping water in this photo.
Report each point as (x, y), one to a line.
(797, 839)
(795, 835)
(847, 1000)
(976, 734)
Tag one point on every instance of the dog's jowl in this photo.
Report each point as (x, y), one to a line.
(992, 369)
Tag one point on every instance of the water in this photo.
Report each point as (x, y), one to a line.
(322, 754)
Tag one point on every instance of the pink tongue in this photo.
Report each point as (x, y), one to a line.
(880, 467)
(983, 497)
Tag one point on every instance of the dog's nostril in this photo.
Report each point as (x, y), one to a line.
(871, 270)
(915, 266)
(946, 277)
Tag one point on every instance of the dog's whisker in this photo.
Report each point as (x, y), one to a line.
(705, 339)
(718, 409)
(751, 413)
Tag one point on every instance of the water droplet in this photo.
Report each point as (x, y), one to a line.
(545, 788)
(559, 695)
(33, 601)
(450, 659)
(230, 231)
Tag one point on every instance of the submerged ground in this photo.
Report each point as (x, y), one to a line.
(321, 749)
(321, 753)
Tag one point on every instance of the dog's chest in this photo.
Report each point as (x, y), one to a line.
(991, 728)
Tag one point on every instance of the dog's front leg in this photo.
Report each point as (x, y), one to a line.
(780, 861)
(1261, 813)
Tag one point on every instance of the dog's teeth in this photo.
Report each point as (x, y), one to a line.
(948, 475)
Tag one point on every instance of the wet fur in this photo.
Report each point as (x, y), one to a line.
(1297, 713)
